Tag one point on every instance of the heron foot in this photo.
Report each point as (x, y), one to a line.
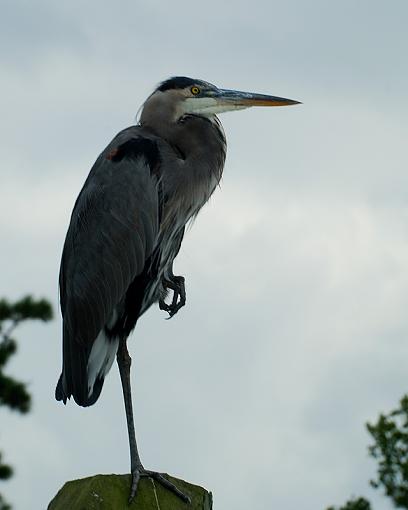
(158, 477)
(176, 284)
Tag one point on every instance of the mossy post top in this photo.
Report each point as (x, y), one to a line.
(111, 492)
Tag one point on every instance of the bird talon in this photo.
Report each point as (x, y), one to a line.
(158, 477)
(135, 482)
(176, 284)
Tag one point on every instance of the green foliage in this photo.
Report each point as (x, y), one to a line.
(13, 393)
(3, 504)
(5, 471)
(390, 449)
(354, 504)
(25, 308)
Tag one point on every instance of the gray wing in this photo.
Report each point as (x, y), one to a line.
(112, 233)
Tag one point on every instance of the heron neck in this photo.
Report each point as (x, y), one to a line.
(194, 139)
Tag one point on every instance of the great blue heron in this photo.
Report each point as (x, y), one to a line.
(127, 227)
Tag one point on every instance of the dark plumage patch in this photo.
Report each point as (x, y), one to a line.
(180, 154)
(162, 200)
(176, 82)
(59, 391)
(134, 299)
(136, 147)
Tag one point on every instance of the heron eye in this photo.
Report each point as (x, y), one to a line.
(195, 90)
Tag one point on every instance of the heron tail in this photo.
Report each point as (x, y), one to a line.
(84, 370)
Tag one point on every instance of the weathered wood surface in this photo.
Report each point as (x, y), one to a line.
(111, 492)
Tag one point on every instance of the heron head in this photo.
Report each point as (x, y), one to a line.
(179, 96)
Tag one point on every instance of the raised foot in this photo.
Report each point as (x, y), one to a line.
(175, 284)
(138, 473)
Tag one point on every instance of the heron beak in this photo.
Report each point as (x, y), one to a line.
(238, 99)
(216, 101)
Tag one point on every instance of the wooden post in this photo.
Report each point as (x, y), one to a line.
(111, 492)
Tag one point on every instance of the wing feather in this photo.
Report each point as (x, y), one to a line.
(113, 232)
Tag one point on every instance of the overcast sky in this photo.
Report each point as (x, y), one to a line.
(295, 331)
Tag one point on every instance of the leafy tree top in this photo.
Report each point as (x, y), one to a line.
(390, 449)
(13, 393)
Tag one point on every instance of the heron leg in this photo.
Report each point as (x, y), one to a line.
(124, 362)
(176, 284)
(137, 470)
